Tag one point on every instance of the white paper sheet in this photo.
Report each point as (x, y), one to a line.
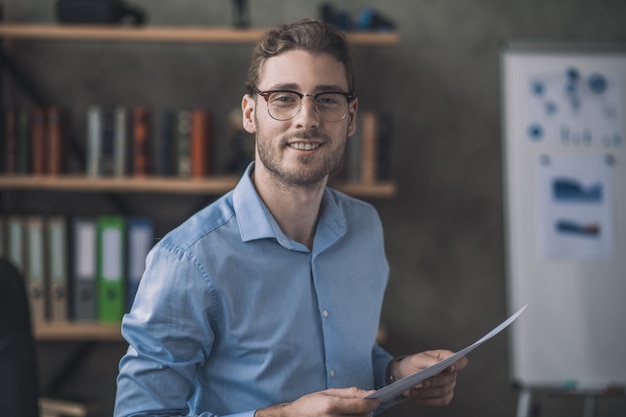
(397, 388)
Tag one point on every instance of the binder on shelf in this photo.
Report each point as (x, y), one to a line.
(57, 244)
(140, 232)
(35, 267)
(15, 242)
(110, 268)
(94, 141)
(83, 277)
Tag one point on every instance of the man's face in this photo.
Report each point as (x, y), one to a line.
(301, 151)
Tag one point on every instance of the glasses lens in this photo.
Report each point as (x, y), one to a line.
(284, 105)
(331, 107)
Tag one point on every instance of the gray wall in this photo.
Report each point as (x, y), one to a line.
(444, 231)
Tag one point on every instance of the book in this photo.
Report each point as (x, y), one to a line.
(385, 125)
(15, 242)
(120, 138)
(107, 149)
(140, 232)
(38, 141)
(3, 236)
(200, 137)
(56, 142)
(140, 140)
(369, 144)
(83, 268)
(164, 144)
(35, 267)
(23, 141)
(183, 144)
(94, 141)
(110, 268)
(10, 139)
(57, 255)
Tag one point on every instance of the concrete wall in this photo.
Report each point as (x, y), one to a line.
(444, 231)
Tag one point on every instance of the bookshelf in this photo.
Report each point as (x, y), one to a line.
(164, 34)
(212, 185)
(74, 331)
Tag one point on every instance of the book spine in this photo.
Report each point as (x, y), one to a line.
(55, 140)
(140, 128)
(200, 141)
(38, 141)
(10, 141)
(120, 134)
(369, 150)
(107, 156)
(94, 141)
(183, 144)
(23, 148)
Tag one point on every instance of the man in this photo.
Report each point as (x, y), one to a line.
(267, 301)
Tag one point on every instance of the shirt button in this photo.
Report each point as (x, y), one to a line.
(332, 373)
(325, 313)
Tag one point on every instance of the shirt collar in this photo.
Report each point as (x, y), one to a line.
(256, 221)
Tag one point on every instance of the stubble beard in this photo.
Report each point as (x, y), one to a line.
(309, 173)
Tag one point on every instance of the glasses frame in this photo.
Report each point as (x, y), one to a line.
(266, 95)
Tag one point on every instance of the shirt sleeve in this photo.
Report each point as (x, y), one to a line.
(380, 359)
(169, 337)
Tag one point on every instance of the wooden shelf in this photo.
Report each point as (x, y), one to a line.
(163, 34)
(77, 332)
(208, 186)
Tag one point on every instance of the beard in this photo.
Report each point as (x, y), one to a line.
(310, 172)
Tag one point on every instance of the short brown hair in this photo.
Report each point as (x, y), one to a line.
(311, 35)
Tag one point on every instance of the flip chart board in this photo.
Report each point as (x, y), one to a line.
(564, 113)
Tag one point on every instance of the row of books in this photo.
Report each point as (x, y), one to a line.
(368, 150)
(119, 141)
(78, 268)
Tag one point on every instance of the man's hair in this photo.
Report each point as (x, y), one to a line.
(311, 35)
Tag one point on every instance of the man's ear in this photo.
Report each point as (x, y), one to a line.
(352, 110)
(248, 107)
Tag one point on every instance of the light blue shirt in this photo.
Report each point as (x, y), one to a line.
(232, 315)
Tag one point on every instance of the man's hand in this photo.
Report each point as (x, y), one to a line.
(437, 390)
(327, 403)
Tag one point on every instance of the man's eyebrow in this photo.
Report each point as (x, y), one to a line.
(296, 87)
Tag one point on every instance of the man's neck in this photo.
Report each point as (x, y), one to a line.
(295, 208)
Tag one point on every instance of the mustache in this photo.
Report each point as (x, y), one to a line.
(308, 135)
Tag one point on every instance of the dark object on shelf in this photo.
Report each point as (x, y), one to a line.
(374, 20)
(19, 378)
(98, 11)
(242, 17)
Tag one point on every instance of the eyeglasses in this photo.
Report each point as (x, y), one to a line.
(331, 106)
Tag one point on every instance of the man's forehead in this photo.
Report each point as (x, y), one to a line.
(293, 68)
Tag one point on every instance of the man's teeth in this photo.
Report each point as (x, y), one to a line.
(305, 146)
